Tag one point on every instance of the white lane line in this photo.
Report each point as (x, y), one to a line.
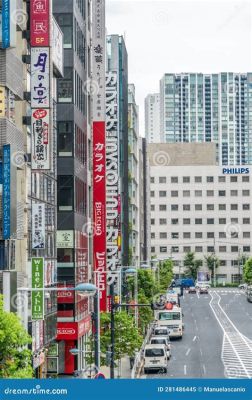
(204, 369)
(198, 295)
(185, 372)
(188, 351)
(201, 352)
(195, 337)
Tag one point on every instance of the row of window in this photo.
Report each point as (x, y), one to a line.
(198, 179)
(199, 249)
(199, 193)
(198, 235)
(199, 221)
(199, 207)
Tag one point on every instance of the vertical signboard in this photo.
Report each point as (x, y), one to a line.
(40, 139)
(38, 226)
(6, 191)
(112, 171)
(5, 24)
(99, 149)
(40, 23)
(37, 309)
(40, 77)
(57, 47)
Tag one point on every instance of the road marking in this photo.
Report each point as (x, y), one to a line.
(201, 352)
(204, 369)
(185, 372)
(198, 295)
(195, 337)
(188, 351)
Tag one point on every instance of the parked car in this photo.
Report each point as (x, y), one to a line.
(161, 331)
(155, 358)
(162, 340)
(203, 290)
(192, 289)
(198, 285)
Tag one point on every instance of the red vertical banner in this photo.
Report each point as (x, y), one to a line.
(40, 23)
(99, 210)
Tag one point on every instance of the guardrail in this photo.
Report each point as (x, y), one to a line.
(138, 363)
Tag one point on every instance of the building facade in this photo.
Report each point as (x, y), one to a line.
(197, 206)
(209, 108)
(152, 118)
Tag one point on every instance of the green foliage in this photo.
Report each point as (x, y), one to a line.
(145, 314)
(212, 261)
(127, 338)
(193, 264)
(15, 358)
(247, 271)
(165, 274)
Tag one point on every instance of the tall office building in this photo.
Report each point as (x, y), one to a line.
(197, 107)
(152, 118)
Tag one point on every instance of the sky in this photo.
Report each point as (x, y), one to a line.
(180, 36)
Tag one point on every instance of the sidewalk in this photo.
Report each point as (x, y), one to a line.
(125, 372)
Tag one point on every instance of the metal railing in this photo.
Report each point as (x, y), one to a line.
(138, 363)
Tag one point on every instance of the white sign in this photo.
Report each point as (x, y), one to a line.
(98, 60)
(65, 239)
(57, 47)
(40, 77)
(40, 139)
(38, 226)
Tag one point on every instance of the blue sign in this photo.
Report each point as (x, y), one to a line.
(232, 171)
(1, 173)
(6, 191)
(5, 24)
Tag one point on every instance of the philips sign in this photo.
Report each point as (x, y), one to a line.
(231, 171)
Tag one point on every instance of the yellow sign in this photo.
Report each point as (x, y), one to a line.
(2, 101)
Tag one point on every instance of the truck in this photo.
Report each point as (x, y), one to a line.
(172, 319)
(172, 297)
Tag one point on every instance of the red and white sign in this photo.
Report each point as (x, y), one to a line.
(40, 23)
(99, 209)
(73, 330)
(40, 139)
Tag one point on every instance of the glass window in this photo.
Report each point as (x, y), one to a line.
(210, 221)
(210, 193)
(162, 207)
(153, 235)
(153, 249)
(222, 235)
(234, 249)
(162, 179)
(222, 221)
(246, 235)
(152, 193)
(65, 22)
(174, 193)
(210, 235)
(245, 179)
(198, 193)
(198, 207)
(233, 179)
(65, 139)
(198, 235)
(210, 249)
(197, 179)
(210, 179)
(162, 221)
(174, 179)
(210, 207)
(174, 221)
(174, 207)
(152, 221)
(246, 206)
(234, 192)
(65, 193)
(246, 192)
(198, 249)
(65, 86)
(186, 193)
(246, 220)
(163, 249)
(234, 220)
(246, 249)
(152, 207)
(174, 235)
(186, 221)
(175, 249)
(222, 179)
(198, 221)
(186, 235)
(222, 193)
(222, 249)
(186, 179)
(186, 207)
(163, 235)
(234, 206)
(222, 207)
(152, 179)
(187, 249)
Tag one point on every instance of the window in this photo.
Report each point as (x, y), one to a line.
(198, 207)
(65, 193)
(162, 179)
(210, 207)
(174, 207)
(234, 192)
(186, 207)
(210, 235)
(65, 22)
(162, 207)
(222, 235)
(222, 179)
(198, 235)
(65, 139)
(153, 235)
(174, 235)
(199, 249)
(80, 193)
(223, 263)
(186, 179)
(198, 221)
(174, 179)
(163, 249)
(152, 179)
(234, 249)
(186, 221)
(210, 221)
(246, 206)
(187, 249)
(174, 221)
(186, 235)
(233, 178)
(153, 249)
(186, 193)
(210, 193)
(246, 249)
(210, 179)
(65, 86)
(245, 179)
(163, 235)
(234, 207)
(198, 193)
(222, 221)
(162, 221)
(222, 193)
(246, 192)
(80, 145)
(234, 220)
(174, 193)
(175, 249)
(246, 235)
(152, 193)
(162, 193)
(222, 207)
(197, 179)
(152, 207)
(152, 221)
(210, 249)
(246, 221)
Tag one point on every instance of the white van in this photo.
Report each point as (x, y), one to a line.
(172, 320)
(155, 358)
(162, 340)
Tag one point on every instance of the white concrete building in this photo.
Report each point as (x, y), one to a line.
(152, 118)
(200, 207)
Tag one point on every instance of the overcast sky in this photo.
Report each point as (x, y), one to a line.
(180, 36)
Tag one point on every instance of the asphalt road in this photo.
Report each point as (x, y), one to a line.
(216, 325)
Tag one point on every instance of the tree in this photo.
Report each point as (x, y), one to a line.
(165, 274)
(145, 282)
(145, 314)
(127, 338)
(247, 271)
(213, 262)
(15, 358)
(192, 264)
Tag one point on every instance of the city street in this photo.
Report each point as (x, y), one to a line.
(217, 340)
